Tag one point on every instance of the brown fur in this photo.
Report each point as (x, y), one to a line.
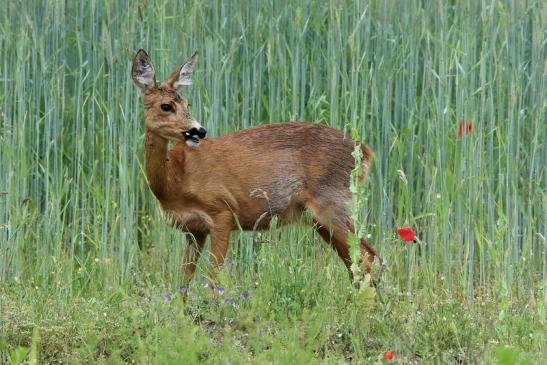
(246, 177)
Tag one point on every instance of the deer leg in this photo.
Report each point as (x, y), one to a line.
(194, 248)
(220, 237)
(340, 246)
(340, 225)
(368, 252)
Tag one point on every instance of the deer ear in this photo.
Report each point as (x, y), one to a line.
(183, 75)
(142, 72)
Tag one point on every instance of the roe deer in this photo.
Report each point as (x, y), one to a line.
(207, 186)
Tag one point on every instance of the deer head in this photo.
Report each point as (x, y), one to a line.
(167, 114)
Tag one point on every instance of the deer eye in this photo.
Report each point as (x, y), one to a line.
(166, 107)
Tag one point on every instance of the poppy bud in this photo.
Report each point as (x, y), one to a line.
(464, 127)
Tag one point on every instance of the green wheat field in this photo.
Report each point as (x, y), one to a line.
(451, 96)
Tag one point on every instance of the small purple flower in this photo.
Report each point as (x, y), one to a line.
(167, 297)
(245, 295)
(221, 290)
(183, 289)
(232, 300)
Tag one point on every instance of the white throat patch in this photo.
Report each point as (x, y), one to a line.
(192, 144)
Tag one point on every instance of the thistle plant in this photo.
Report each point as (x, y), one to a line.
(359, 198)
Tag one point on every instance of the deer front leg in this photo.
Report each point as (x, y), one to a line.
(220, 236)
(195, 242)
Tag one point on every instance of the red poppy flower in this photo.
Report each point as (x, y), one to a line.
(464, 127)
(407, 234)
(389, 355)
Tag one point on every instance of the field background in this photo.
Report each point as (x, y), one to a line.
(88, 264)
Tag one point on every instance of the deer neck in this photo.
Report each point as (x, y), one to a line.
(156, 163)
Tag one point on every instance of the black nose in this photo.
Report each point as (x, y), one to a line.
(201, 133)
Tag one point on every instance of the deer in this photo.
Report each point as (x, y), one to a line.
(213, 186)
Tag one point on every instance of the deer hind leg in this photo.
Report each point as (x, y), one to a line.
(334, 225)
(370, 253)
(339, 244)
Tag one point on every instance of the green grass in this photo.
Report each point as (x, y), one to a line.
(86, 257)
